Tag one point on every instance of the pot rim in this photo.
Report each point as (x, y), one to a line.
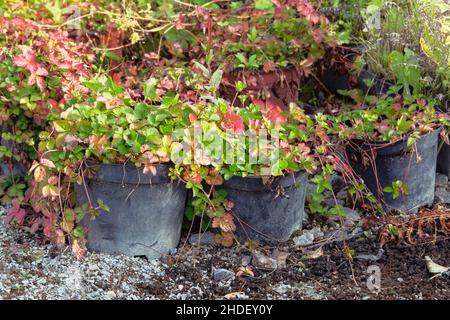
(260, 71)
(404, 139)
(384, 148)
(255, 183)
(129, 174)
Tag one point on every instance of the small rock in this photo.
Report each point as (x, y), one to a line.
(205, 238)
(370, 257)
(236, 296)
(305, 217)
(332, 223)
(441, 180)
(280, 257)
(110, 295)
(304, 240)
(317, 232)
(222, 274)
(282, 288)
(352, 217)
(342, 195)
(441, 195)
(343, 235)
(261, 261)
(245, 261)
(337, 183)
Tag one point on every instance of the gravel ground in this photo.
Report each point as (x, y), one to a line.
(33, 269)
(30, 268)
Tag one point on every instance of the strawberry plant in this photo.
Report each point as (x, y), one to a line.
(390, 118)
(39, 70)
(200, 138)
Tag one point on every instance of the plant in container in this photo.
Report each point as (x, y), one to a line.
(268, 46)
(39, 69)
(419, 29)
(391, 143)
(116, 152)
(256, 164)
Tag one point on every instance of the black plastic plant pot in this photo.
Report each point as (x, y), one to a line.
(279, 87)
(379, 165)
(146, 211)
(267, 213)
(335, 81)
(339, 77)
(443, 161)
(10, 167)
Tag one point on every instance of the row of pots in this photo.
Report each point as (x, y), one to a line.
(146, 212)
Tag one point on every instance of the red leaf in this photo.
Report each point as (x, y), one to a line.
(232, 122)
(48, 163)
(41, 71)
(20, 61)
(40, 83)
(60, 239)
(179, 23)
(194, 177)
(192, 118)
(305, 9)
(317, 35)
(382, 127)
(224, 222)
(78, 248)
(273, 113)
(48, 227)
(17, 213)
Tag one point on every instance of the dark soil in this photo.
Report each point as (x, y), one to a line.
(26, 261)
(403, 273)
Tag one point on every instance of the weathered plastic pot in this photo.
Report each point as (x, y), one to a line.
(278, 87)
(146, 211)
(10, 167)
(443, 161)
(335, 81)
(262, 214)
(397, 162)
(339, 77)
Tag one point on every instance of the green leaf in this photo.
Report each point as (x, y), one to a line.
(81, 212)
(113, 87)
(78, 232)
(55, 10)
(60, 125)
(264, 5)
(393, 230)
(411, 141)
(150, 89)
(69, 215)
(216, 78)
(93, 85)
(103, 205)
(141, 111)
(338, 210)
(135, 38)
(205, 71)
